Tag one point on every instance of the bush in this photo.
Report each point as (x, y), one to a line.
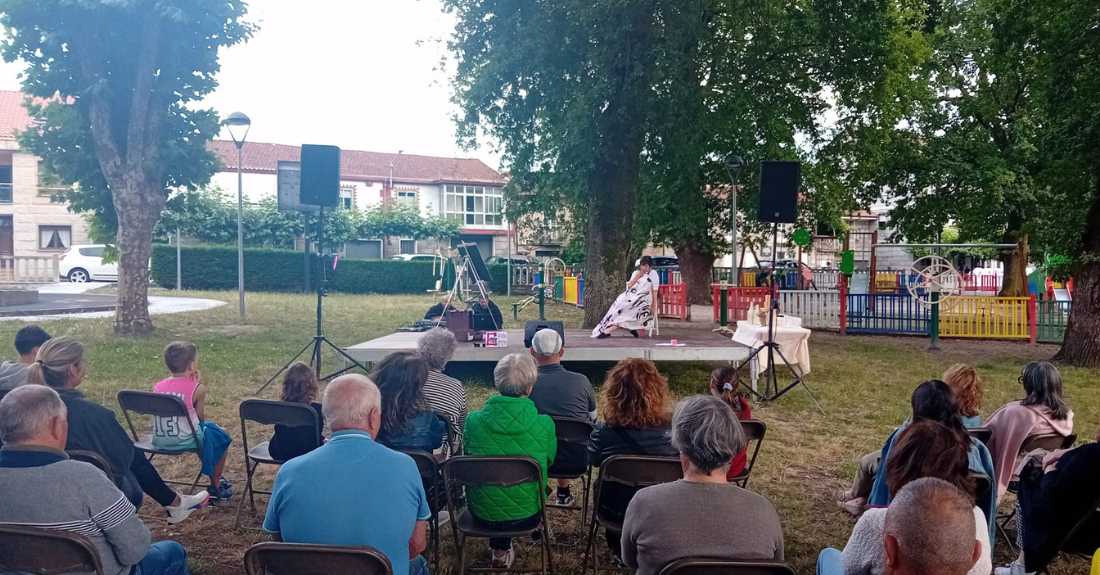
(215, 268)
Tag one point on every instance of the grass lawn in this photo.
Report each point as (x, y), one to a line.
(863, 383)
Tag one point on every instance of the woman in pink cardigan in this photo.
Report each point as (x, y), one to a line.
(1042, 412)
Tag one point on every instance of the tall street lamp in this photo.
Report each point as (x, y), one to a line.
(733, 168)
(392, 160)
(238, 125)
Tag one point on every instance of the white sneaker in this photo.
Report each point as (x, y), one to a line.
(1014, 568)
(188, 505)
(504, 561)
(443, 518)
(854, 506)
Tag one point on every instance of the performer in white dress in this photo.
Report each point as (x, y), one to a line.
(633, 309)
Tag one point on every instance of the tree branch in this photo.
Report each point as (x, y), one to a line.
(99, 111)
(138, 138)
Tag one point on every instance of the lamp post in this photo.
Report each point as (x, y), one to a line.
(238, 125)
(733, 168)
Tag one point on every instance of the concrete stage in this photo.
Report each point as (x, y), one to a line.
(699, 345)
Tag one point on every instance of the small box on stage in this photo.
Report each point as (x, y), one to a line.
(496, 339)
(459, 322)
(533, 326)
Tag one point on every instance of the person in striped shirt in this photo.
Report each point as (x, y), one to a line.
(445, 394)
(45, 489)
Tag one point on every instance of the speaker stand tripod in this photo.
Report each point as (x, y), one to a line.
(319, 340)
(771, 375)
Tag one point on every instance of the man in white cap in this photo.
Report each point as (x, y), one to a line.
(561, 393)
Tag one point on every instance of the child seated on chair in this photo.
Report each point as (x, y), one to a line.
(172, 434)
(724, 384)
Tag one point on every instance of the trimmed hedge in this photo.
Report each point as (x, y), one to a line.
(215, 268)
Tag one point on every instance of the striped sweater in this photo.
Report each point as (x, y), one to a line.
(43, 488)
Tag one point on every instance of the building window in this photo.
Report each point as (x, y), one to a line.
(5, 185)
(54, 237)
(347, 198)
(475, 205)
(406, 197)
(408, 246)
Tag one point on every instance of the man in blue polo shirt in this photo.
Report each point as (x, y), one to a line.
(352, 490)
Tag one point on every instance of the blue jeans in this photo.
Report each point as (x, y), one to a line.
(163, 558)
(830, 562)
(418, 565)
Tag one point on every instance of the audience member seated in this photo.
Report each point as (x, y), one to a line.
(299, 386)
(637, 416)
(485, 306)
(724, 381)
(1056, 490)
(964, 381)
(43, 488)
(407, 423)
(509, 424)
(935, 401)
(27, 341)
(352, 490)
(863, 555)
(928, 531)
(1043, 411)
(170, 433)
(561, 393)
(701, 515)
(966, 384)
(440, 309)
(93, 427)
(445, 395)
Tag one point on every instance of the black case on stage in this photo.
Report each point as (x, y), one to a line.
(534, 326)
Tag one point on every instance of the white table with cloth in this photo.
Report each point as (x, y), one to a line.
(793, 340)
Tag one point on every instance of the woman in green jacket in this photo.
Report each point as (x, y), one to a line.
(509, 424)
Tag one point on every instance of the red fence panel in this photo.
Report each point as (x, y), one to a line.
(738, 301)
(673, 302)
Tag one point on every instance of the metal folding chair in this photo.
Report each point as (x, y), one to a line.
(982, 434)
(754, 431)
(576, 433)
(272, 558)
(267, 412)
(159, 405)
(1047, 441)
(93, 458)
(698, 566)
(631, 471)
(492, 471)
(46, 551)
(428, 467)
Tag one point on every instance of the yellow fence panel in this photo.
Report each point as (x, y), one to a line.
(886, 282)
(571, 291)
(975, 316)
(748, 279)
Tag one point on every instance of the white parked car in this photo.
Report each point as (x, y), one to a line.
(418, 257)
(85, 263)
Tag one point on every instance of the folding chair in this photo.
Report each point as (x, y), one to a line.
(162, 405)
(754, 431)
(656, 315)
(983, 485)
(428, 467)
(492, 471)
(267, 412)
(577, 433)
(303, 559)
(982, 434)
(632, 471)
(93, 458)
(46, 551)
(698, 566)
(1047, 441)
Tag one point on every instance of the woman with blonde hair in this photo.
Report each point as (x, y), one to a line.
(93, 427)
(637, 411)
(966, 384)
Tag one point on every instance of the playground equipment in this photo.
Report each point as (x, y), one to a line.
(933, 280)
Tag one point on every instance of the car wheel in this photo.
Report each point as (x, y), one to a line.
(78, 275)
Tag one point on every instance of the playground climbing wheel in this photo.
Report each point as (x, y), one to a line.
(931, 274)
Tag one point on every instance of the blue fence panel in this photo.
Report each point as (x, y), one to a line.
(580, 292)
(886, 313)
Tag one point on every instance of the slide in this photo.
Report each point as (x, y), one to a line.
(1061, 294)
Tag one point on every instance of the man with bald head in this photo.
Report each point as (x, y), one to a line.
(930, 530)
(353, 490)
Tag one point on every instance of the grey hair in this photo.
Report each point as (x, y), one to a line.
(27, 411)
(515, 374)
(706, 430)
(933, 523)
(349, 400)
(436, 346)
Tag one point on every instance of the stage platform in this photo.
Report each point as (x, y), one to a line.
(698, 345)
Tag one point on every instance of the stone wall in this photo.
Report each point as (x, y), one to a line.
(31, 209)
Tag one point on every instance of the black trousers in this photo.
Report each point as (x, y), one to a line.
(150, 481)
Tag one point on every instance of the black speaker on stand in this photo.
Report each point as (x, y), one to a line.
(320, 177)
(779, 183)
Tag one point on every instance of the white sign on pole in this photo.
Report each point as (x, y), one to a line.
(288, 177)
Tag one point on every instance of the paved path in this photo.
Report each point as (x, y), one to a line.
(63, 300)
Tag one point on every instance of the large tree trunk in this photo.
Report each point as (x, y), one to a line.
(608, 237)
(138, 206)
(1015, 263)
(1081, 346)
(695, 267)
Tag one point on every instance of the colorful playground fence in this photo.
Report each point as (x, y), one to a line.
(996, 317)
(738, 300)
(817, 308)
(673, 302)
(1051, 319)
(570, 290)
(885, 313)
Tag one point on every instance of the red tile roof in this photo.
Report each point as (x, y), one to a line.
(13, 116)
(357, 165)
